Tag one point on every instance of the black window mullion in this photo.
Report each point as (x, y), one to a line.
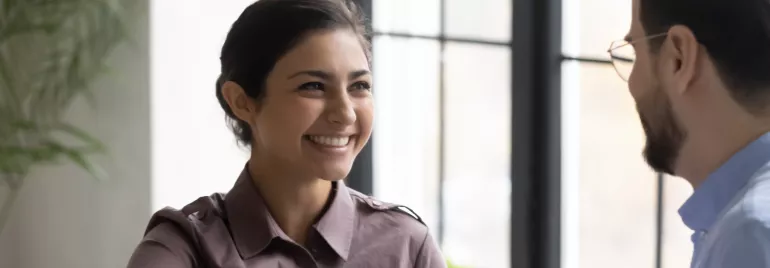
(536, 136)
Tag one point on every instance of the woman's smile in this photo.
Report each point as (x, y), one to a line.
(331, 144)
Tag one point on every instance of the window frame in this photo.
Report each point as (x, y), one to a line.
(536, 60)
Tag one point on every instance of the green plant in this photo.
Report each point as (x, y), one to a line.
(450, 264)
(50, 52)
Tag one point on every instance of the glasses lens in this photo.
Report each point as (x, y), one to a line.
(623, 57)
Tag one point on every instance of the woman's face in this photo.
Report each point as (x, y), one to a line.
(317, 112)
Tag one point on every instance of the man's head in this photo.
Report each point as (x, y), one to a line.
(698, 63)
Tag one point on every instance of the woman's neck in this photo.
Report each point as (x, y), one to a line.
(294, 202)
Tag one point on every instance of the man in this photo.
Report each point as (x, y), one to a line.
(700, 76)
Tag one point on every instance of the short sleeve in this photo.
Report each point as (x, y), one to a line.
(163, 246)
(429, 255)
(747, 247)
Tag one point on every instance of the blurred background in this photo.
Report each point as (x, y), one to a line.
(501, 123)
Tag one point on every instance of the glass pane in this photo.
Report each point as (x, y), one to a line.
(582, 18)
(420, 17)
(479, 19)
(677, 246)
(406, 134)
(477, 154)
(616, 189)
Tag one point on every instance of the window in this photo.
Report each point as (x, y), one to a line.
(477, 151)
(565, 186)
(627, 214)
(406, 135)
(442, 138)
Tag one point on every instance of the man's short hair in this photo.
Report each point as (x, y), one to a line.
(735, 33)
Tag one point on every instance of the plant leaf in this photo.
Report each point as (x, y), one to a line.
(79, 159)
(50, 53)
(93, 143)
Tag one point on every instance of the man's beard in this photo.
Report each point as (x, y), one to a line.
(664, 135)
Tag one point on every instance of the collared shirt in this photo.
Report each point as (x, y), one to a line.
(237, 230)
(730, 211)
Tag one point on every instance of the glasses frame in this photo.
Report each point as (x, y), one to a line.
(622, 43)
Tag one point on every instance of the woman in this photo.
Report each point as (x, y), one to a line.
(296, 87)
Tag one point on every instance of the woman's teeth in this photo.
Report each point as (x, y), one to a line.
(330, 141)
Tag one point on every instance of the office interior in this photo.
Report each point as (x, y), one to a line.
(502, 123)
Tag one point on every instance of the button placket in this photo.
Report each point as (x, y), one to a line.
(312, 248)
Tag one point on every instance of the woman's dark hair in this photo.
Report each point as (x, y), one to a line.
(267, 30)
(736, 35)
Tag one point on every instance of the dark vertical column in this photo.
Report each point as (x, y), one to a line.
(361, 177)
(536, 161)
(659, 223)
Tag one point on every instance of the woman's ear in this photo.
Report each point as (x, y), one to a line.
(243, 106)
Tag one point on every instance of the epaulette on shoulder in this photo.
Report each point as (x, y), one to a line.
(385, 206)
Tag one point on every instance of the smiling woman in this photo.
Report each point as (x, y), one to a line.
(314, 111)
(296, 88)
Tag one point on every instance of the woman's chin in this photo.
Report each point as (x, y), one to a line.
(332, 173)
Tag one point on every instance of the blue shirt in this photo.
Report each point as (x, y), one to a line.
(730, 212)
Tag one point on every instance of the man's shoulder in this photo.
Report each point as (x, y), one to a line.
(750, 209)
(754, 204)
(741, 237)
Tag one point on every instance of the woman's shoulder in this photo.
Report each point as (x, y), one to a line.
(178, 234)
(203, 211)
(388, 216)
(391, 230)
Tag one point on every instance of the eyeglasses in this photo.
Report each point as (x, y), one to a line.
(623, 55)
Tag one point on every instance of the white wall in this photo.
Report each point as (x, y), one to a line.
(9, 241)
(63, 218)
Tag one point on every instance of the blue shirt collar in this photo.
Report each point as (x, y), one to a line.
(701, 210)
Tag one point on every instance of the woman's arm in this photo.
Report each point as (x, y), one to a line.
(163, 246)
(430, 255)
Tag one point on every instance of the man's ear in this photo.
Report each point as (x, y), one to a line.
(243, 106)
(681, 52)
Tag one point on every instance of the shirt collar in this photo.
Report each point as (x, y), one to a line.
(336, 225)
(253, 228)
(701, 210)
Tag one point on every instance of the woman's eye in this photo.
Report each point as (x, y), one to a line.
(361, 86)
(312, 86)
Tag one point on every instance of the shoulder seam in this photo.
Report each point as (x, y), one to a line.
(411, 213)
(357, 196)
(180, 231)
(422, 248)
(186, 240)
